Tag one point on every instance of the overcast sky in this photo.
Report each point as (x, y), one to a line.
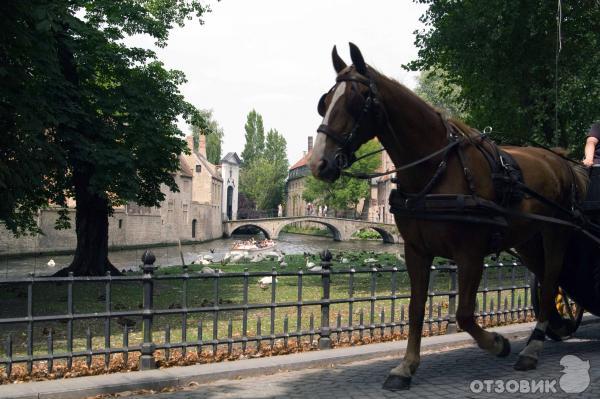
(274, 56)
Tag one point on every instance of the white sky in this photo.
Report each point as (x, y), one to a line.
(274, 56)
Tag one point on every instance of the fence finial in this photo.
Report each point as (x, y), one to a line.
(326, 258)
(148, 257)
(148, 260)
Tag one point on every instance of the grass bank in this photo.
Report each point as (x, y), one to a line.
(90, 297)
(310, 231)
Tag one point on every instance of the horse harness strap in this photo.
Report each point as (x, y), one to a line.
(471, 208)
(506, 176)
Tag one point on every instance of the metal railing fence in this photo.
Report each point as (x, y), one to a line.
(375, 304)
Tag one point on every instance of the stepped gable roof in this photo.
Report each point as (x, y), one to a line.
(232, 158)
(302, 161)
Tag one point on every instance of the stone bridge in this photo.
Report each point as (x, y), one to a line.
(341, 229)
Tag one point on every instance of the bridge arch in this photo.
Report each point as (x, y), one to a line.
(386, 236)
(337, 234)
(255, 225)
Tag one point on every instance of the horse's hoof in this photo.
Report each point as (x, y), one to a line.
(397, 383)
(525, 363)
(505, 346)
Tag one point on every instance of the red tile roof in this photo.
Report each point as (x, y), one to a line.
(302, 161)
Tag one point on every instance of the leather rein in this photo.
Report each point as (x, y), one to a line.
(348, 144)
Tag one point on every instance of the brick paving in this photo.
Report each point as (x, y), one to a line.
(446, 374)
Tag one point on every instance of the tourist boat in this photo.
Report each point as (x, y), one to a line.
(252, 245)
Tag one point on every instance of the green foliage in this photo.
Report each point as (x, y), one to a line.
(80, 108)
(367, 234)
(345, 192)
(502, 55)
(262, 177)
(255, 137)
(276, 150)
(263, 182)
(444, 96)
(310, 230)
(204, 123)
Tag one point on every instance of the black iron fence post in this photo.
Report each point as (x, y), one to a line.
(451, 327)
(147, 358)
(324, 336)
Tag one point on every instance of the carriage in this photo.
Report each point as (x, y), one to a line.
(580, 277)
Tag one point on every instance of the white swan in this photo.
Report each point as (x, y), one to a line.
(266, 281)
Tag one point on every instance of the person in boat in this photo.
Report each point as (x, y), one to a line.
(592, 149)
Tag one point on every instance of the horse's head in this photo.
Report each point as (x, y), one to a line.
(348, 117)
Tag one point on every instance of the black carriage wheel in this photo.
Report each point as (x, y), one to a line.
(571, 316)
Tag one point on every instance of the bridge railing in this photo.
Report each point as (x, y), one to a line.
(154, 317)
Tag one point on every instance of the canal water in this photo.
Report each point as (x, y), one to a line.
(168, 256)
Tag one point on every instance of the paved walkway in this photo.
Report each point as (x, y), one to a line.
(442, 374)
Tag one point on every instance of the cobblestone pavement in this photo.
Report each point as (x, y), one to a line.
(448, 374)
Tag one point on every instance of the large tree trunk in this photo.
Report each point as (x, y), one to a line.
(92, 209)
(91, 226)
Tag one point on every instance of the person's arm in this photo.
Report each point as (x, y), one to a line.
(590, 147)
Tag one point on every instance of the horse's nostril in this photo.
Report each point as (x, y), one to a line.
(322, 165)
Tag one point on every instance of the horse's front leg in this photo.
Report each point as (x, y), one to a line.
(470, 268)
(418, 265)
(555, 246)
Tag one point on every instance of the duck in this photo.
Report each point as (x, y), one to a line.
(266, 281)
(51, 263)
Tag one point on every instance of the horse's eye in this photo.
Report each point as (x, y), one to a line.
(321, 106)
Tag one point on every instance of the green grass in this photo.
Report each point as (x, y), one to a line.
(313, 231)
(89, 297)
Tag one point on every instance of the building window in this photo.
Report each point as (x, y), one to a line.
(198, 168)
(120, 223)
(194, 228)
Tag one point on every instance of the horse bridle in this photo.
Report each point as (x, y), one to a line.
(348, 142)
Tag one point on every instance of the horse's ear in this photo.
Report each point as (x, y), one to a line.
(338, 62)
(357, 59)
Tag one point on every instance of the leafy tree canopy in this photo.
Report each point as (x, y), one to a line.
(276, 149)
(255, 137)
(262, 177)
(85, 116)
(204, 123)
(444, 96)
(263, 183)
(345, 192)
(502, 55)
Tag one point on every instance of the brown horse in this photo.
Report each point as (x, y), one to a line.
(363, 104)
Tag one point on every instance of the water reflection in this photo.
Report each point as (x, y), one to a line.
(166, 256)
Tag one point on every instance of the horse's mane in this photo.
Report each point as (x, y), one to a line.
(580, 173)
(462, 127)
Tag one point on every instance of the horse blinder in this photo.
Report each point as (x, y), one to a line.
(321, 106)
